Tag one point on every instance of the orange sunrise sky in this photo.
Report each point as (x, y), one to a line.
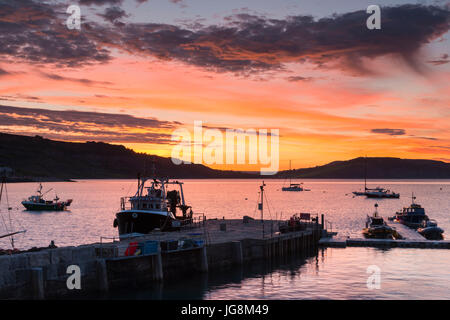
(138, 70)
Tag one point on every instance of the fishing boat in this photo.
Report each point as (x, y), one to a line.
(38, 203)
(153, 207)
(412, 216)
(293, 186)
(377, 228)
(430, 230)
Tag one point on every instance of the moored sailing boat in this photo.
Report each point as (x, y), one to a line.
(293, 186)
(377, 192)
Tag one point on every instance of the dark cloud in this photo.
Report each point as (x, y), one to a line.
(100, 2)
(83, 81)
(76, 125)
(244, 43)
(391, 132)
(298, 78)
(36, 32)
(250, 43)
(4, 72)
(441, 60)
(114, 14)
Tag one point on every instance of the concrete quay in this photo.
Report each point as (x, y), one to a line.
(220, 244)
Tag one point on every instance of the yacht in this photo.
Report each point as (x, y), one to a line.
(38, 203)
(381, 193)
(153, 207)
(377, 192)
(293, 186)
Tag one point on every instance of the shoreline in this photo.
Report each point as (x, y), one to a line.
(40, 179)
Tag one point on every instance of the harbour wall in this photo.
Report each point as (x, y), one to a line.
(44, 274)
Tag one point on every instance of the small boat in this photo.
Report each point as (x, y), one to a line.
(377, 192)
(381, 193)
(153, 207)
(294, 186)
(377, 228)
(37, 202)
(430, 230)
(412, 216)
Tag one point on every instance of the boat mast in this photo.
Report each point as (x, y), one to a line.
(365, 173)
(290, 173)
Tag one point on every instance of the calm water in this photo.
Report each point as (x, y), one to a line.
(335, 273)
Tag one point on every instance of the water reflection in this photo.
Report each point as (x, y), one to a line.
(202, 286)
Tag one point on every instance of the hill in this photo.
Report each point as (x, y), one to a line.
(27, 158)
(36, 158)
(377, 168)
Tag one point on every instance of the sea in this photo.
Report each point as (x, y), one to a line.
(330, 273)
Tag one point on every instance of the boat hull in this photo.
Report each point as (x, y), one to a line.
(379, 233)
(412, 221)
(141, 222)
(291, 189)
(32, 206)
(379, 196)
(432, 233)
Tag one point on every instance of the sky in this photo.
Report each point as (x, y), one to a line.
(138, 70)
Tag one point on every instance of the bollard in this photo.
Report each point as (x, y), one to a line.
(102, 276)
(237, 252)
(37, 281)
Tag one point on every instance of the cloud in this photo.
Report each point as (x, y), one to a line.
(391, 132)
(85, 126)
(83, 81)
(251, 43)
(100, 2)
(442, 60)
(4, 72)
(243, 44)
(113, 14)
(35, 32)
(298, 78)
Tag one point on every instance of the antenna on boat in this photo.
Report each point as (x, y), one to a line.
(376, 210)
(413, 197)
(261, 205)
